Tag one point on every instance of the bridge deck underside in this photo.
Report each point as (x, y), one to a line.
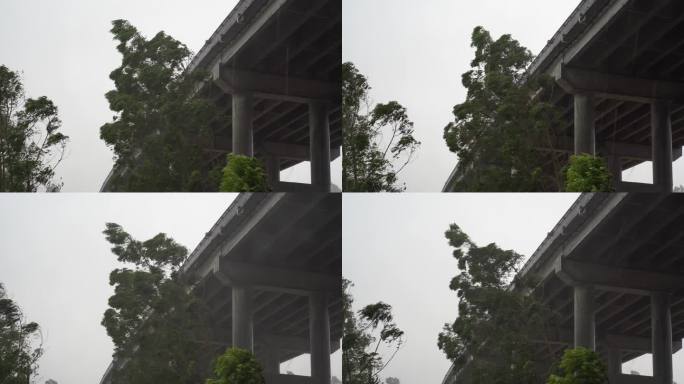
(303, 40)
(644, 40)
(646, 234)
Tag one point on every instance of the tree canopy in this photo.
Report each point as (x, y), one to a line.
(31, 144)
(160, 126)
(159, 328)
(365, 332)
(495, 326)
(237, 366)
(580, 366)
(244, 174)
(378, 143)
(506, 117)
(18, 354)
(586, 173)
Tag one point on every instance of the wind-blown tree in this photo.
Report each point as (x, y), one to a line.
(378, 142)
(159, 126)
(496, 320)
(18, 354)
(159, 328)
(506, 117)
(365, 333)
(31, 146)
(237, 366)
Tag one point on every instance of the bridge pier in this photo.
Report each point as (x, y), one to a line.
(661, 133)
(243, 327)
(242, 124)
(273, 170)
(661, 337)
(319, 338)
(584, 335)
(585, 133)
(319, 133)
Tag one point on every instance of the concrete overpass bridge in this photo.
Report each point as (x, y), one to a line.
(275, 70)
(612, 270)
(270, 270)
(619, 67)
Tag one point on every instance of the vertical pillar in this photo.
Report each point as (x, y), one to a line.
(243, 331)
(584, 317)
(270, 362)
(661, 141)
(585, 135)
(661, 338)
(242, 124)
(614, 364)
(319, 338)
(319, 145)
(615, 167)
(273, 171)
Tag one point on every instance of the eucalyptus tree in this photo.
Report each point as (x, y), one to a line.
(31, 144)
(378, 142)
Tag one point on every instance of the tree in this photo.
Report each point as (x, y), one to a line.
(586, 173)
(18, 357)
(580, 366)
(494, 329)
(371, 164)
(506, 117)
(159, 328)
(31, 146)
(160, 126)
(237, 366)
(243, 174)
(364, 333)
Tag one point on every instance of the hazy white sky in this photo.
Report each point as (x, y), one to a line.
(66, 53)
(55, 262)
(415, 53)
(394, 251)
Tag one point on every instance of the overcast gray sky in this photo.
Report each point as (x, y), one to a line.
(415, 53)
(66, 52)
(55, 262)
(394, 251)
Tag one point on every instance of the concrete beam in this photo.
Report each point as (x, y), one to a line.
(634, 379)
(268, 278)
(619, 149)
(635, 344)
(293, 151)
(275, 87)
(617, 279)
(618, 87)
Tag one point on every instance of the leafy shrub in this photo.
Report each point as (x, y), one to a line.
(237, 366)
(580, 366)
(587, 173)
(243, 174)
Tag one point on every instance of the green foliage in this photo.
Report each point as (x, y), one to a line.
(18, 358)
(587, 173)
(159, 128)
(243, 174)
(31, 146)
(156, 323)
(364, 333)
(495, 324)
(580, 366)
(237, 366)
(506, 116)
(369, 161)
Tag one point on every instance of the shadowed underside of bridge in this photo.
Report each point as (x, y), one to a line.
(619, 71)
(270, 270)
(619, 65)
(612, 271)
(275, 70)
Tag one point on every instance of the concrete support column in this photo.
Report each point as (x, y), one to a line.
(319, 338)
(615, 167)
(319, 145)
(243, 327)
(273, 170)
(585, 134)
(614, 364)
(661, 338)
(661, 134)
(270, 362)
(584, 317)
(242, 124)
